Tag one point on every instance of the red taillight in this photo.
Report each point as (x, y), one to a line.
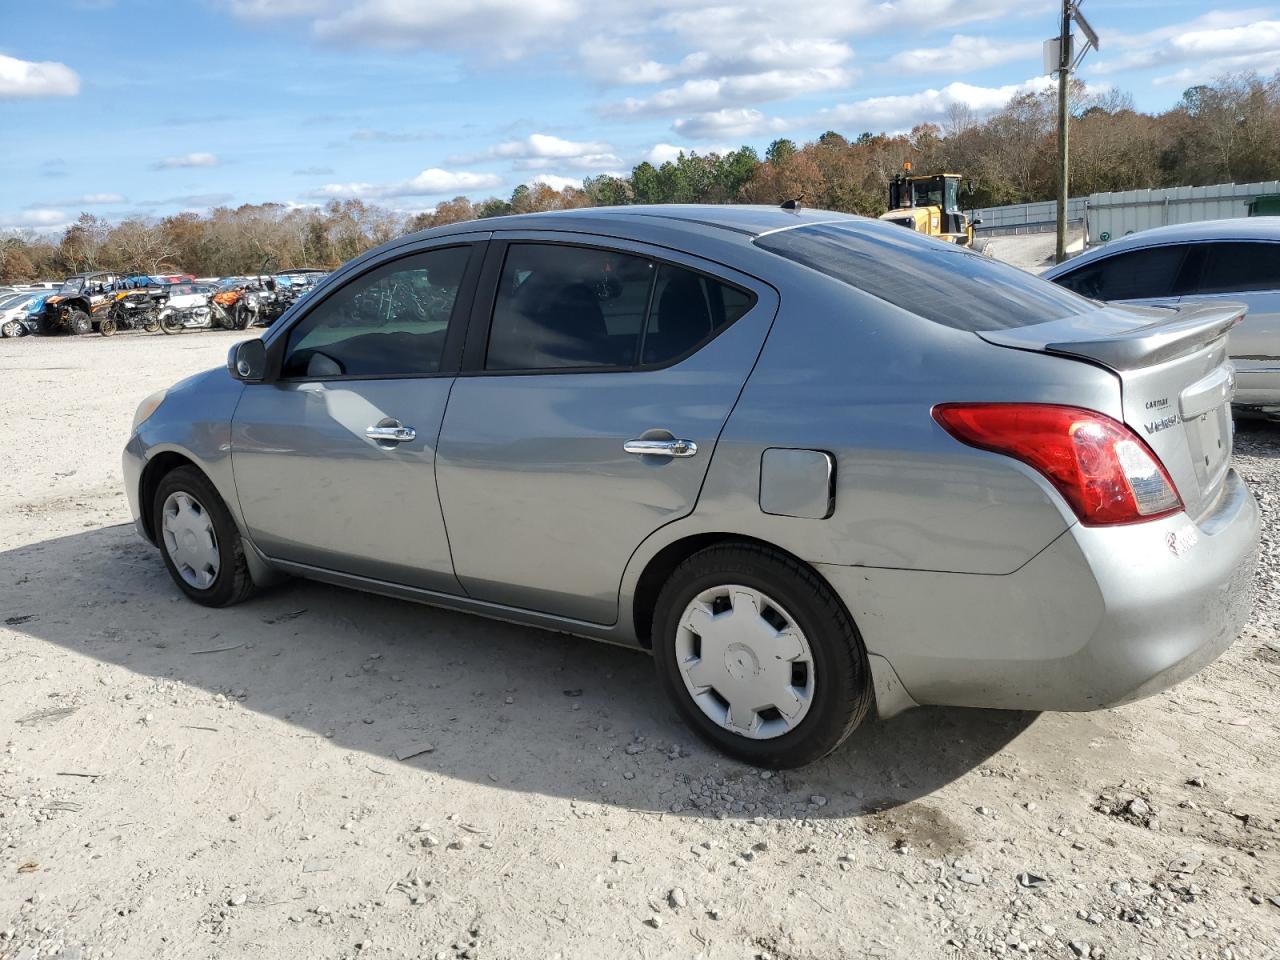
(1100, 466)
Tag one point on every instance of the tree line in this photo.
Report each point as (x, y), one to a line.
(1220, 132)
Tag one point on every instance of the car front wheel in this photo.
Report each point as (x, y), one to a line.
(201, 546)
(759, 656)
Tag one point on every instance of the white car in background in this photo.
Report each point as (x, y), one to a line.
(13, 313)
(1210, 261)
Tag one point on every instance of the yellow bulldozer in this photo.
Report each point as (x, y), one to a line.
(930, 205)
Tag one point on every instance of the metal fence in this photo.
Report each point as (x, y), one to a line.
(1026, 217)
(1110, 215)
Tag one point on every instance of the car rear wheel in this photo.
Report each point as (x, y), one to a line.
(201, 546)
(78, 322)
(13, 328)
(759, 656)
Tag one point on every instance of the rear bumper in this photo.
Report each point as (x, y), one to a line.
(1100, 617)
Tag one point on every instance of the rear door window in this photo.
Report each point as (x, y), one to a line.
(1136, 275)
(562, 307)
(1239, 267)
(935, 280)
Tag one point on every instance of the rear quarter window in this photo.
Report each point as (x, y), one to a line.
(941, 282)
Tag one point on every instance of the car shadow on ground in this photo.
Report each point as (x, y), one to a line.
(1257, 437)
(495, 703)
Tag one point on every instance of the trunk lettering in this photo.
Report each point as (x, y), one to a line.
(1155, 426)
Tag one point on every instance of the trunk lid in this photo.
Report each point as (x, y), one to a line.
(1175, 378)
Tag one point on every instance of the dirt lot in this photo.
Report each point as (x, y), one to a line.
(182, 782)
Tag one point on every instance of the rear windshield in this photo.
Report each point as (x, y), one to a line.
(938, 281)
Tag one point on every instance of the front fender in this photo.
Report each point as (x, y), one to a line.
(193, 422)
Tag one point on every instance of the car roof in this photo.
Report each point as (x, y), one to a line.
(1236, 228)
(747, 220)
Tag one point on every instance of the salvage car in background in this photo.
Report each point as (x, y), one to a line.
(1207, 262)
(15, 312)
(748, 439)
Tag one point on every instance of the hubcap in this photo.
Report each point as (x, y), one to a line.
(189, 539)
(745, 661)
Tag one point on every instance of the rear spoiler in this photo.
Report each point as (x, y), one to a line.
(1167, 335)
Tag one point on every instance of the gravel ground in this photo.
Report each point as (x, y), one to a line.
(319, 773)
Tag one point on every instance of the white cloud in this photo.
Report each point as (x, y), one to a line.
(722, 92)
(541, 150)
(964, 55)
(84, 200)
(669, 152)
(555, 182)
(1217, 35)
(188, 160)
(507, 27)
(712, 65)
(624, 62)
(898, 113)
(387, 136)
(741, 122)
(40, 217)
(26, 78)
(666, 153)
(431, 182)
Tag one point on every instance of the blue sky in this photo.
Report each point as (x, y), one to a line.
(148, 107)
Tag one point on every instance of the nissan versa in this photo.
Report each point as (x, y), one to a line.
(815, 463)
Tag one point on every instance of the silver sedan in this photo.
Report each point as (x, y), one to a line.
(1210, 261)
(817, 465)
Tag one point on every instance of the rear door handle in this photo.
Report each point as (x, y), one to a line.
(396, 434)
(661, 448)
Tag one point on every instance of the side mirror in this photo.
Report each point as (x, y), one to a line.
(248, 361)
(977, 221)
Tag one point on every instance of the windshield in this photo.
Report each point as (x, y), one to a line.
(927, 193)
(939, 281)
(72, 285)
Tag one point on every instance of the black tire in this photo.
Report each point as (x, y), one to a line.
(170, 323)
(241, 316)
(78, 322)
(108, 327)
(233, 582)
(151, 324)
(13, 328)
(842, 679)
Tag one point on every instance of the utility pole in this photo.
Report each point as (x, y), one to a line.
(1064, 76)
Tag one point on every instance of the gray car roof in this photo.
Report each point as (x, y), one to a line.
(1237, 228)
(747, 220)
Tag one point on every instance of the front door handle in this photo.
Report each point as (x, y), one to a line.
(661, 448)
(391, 434)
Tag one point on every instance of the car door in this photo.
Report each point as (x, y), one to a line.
(597, 378)
(334, 458)
(1246, 272)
